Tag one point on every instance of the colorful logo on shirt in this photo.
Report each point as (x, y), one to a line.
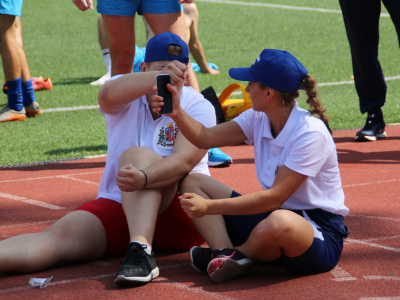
(278, 167)
(167, 135)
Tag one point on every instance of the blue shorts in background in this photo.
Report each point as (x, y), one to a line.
(131, 7)
(11, 7)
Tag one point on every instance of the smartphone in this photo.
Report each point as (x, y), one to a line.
(162, 91)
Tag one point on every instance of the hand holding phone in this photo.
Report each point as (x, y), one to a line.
(162, 91)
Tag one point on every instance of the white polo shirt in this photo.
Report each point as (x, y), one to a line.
(134, 126)
(305, 146)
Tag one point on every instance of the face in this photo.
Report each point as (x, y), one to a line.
(258, 95)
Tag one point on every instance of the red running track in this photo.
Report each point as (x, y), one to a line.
(32, 198)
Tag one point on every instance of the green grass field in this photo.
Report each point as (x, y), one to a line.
(61, 43)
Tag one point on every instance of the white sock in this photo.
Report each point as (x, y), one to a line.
(107, 59)
(147, 249)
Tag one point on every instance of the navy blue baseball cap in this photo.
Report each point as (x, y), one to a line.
(157, 46)
(276, 69)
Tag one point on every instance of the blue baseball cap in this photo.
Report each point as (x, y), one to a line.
(157, 46)
(276, 69)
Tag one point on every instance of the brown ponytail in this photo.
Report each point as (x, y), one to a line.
(309, 85)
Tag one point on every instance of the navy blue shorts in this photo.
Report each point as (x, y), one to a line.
(323, 254)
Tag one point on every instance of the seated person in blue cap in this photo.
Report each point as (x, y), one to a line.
(297, 221)
(147, 157)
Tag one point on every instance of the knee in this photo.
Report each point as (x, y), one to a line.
(278, 224)
(190, 183)
(138, 156)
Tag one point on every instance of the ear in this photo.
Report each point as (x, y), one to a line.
(143, 66)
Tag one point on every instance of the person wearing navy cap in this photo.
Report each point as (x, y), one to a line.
(147, 157)
(297, 221)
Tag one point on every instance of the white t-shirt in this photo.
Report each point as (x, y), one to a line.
(305, 146)
(134, 126)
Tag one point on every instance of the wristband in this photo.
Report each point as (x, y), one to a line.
(145, 176)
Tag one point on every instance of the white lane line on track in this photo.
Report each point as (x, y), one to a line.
(27, 224)
(80, 180)
(382, 277)
(50, 177)
(362, 242)
(76, 108)
(375, 217)
(321, 10)
(30, 201)
(341, 275)
(380, 298)
(369, 183)
(160, 280)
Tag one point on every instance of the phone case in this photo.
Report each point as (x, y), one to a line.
(162, 81)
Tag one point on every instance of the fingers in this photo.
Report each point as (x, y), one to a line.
(177, 71)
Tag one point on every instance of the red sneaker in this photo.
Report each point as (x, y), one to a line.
(38, 83)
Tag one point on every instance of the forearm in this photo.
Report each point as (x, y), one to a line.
(194, 131)
(168, 171)
(198, 54)
(125, 89)
(254, 203)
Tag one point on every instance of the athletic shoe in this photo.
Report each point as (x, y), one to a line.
(200, 258)
(7, 114)
(33, 109)
(217, 158)
(228, 264)
(138, 267)
(38, 83)
(102, 80)
(374, 129)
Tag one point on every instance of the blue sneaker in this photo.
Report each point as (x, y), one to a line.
(217, 158)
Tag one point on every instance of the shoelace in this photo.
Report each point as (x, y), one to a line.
(134, 254)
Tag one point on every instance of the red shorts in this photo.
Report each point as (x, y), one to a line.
(174, 230)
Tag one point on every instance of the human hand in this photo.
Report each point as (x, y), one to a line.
(83, 4)
(157, 101)
(177, 71)
(194, 205)
(130, 179)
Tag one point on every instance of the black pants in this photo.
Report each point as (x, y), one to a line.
(361, 19)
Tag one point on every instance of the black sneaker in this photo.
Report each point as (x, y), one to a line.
(200, 258)
(374, 129)
(138, 267)
(228, 264)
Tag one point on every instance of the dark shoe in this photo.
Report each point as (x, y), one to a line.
(228, 264)
(138, 267)
(374, 129)
(200, 258)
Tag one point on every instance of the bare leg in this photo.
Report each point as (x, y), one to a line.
(121, 36)
(174, 22)
(78, 236)
(8, 43)
(25, 72)
(211, 228)
(283, 232)
(142, 207)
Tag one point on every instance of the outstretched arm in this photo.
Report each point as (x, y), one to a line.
(224, 134)
(129, 87)
(195, 45)
(286, 183)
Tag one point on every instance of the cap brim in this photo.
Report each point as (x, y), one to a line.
(242, 74)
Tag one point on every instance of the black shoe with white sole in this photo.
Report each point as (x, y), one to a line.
(138, 267)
